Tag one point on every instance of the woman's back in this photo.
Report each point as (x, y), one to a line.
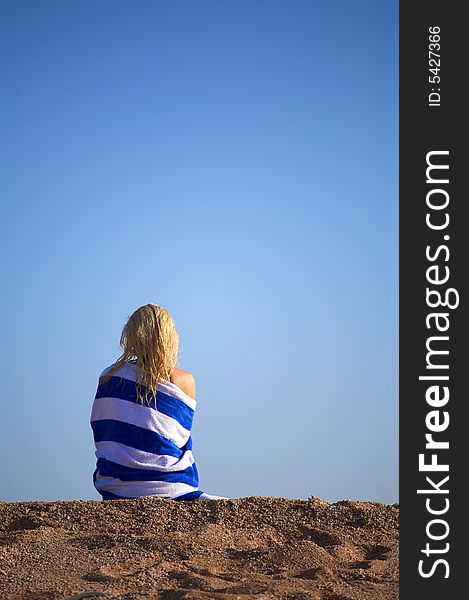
(144, 450)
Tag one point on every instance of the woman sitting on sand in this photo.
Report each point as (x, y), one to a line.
(142, 416)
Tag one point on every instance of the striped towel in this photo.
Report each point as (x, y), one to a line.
(143, 450)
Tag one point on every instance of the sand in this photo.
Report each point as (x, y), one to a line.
(254, 547)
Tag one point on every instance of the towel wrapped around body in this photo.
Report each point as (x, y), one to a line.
(143, 450)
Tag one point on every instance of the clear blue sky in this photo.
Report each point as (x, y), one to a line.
(235, 162)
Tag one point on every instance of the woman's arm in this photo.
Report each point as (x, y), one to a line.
(184, 380)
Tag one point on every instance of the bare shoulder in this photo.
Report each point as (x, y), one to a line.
(184, 380)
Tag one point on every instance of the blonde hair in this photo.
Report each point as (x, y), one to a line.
(149, 339)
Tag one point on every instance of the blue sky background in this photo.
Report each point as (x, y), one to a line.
(235, 162)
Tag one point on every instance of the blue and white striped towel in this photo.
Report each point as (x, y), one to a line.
(143, 450)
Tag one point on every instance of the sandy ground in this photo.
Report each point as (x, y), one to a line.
(255, 547)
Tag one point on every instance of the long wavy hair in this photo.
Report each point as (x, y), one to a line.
(150, 340)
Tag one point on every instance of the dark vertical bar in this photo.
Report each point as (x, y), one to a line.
(432, 123)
